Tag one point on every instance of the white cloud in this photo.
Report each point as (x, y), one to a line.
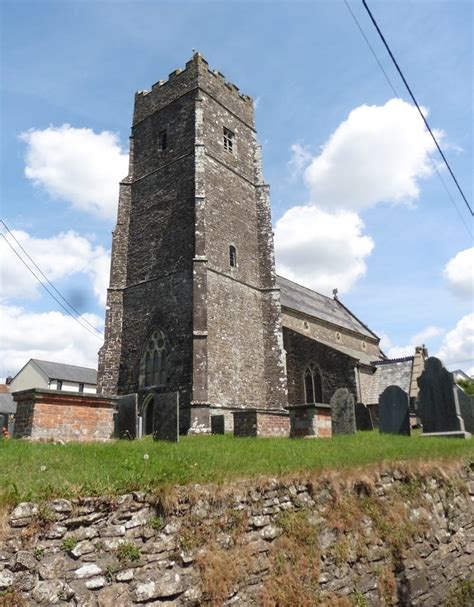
(300, 157)
(423, 337)
(62, 255)
(321, 250)
(458, 345)
(459, 273)
(378, 154)
(48, 336)
(77, 165)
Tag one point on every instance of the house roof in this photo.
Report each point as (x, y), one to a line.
(52, 370)
(7, 404)
(299, 298)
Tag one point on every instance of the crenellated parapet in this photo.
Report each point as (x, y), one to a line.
(196, 74)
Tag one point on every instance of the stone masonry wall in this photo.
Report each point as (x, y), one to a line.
(396, 537)
(324, 331)
(52, 415)
(337, 370)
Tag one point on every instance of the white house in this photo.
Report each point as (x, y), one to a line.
(54, 376)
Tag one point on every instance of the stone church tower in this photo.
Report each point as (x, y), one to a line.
(193, 303)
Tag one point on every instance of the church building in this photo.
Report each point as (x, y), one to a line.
(194, 303)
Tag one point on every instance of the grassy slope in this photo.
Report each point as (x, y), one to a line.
(41, 471)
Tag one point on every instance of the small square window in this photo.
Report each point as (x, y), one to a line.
(162, 140)
(228, 140)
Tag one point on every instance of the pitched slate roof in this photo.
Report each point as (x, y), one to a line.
(52, 370)
(299, 298)
(7, 404)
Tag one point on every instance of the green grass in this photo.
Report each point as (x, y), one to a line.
(32, 471)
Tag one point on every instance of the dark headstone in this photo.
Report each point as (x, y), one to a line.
(363, 419)
(342, 412)
(126, 417)
(439, 407)
(394, 412)
(166, 416)
(466, 407)
(217, 424)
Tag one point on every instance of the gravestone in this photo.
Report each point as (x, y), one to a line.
(466, 407)
(394, 412)
(126, 417)
(439, 408)
(342, 412)
(363, 419)
(166, 416)
(217, 424)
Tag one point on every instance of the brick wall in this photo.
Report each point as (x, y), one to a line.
(52, 415)
(310, 421)
(253, 422)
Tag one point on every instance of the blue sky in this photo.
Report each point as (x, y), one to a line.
(355, 202)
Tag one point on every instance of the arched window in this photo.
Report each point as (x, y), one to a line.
(313, 384)
(232, 256)
(153, 366)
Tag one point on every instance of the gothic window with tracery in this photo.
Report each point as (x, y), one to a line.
(313, 384)
(153, 367)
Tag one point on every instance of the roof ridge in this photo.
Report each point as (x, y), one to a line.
(392, 360)
(305, 287)
(49, 362)
(357, 318)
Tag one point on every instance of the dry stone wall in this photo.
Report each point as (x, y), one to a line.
(398, 537)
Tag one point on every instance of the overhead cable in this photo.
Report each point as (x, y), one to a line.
(417, 106)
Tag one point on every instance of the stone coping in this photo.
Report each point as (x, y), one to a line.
(63, 397)
(261, 410)
(453, 434)
(309, 406)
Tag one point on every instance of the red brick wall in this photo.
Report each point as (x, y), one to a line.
(46, 415)
(310, 421)
(261, 423)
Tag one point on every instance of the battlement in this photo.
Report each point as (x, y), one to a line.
(195, 73)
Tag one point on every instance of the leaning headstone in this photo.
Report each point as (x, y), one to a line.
(126, 417)
(394, 412)
(363, 419)
(342, 412)
(439, 408)
(217, 424)
(166, 416)
(466, 407)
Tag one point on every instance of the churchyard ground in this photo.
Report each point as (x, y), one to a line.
(37, 471)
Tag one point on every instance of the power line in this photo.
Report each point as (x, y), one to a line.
(46, 278)
(417, 106)
(372, 51)
(97, 335)
(390, 83)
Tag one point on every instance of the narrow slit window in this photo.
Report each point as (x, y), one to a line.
(228, 140)
(162, 140)
(232, 256)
